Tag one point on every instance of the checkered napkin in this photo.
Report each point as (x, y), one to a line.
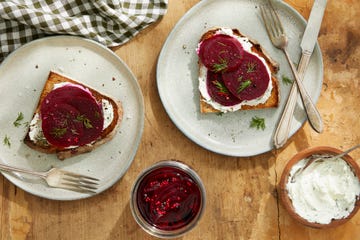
(110, 22)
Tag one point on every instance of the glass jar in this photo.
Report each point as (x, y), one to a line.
(168, 199)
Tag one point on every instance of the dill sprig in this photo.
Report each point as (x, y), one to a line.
(58, 132)
(287, 80)
(85, 121)
(258, 123)
(221, 66)
(245, 84)
(6, 141)
(251, 67)
(221, 87)
(18, 120)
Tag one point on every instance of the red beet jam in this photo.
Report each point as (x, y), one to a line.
(169, 198)
(71, 116)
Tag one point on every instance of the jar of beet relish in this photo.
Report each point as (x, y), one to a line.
(168, 199)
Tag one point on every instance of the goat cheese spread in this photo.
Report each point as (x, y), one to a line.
(246, 44)
(325, 190)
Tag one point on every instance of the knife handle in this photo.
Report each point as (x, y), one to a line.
(283, 127)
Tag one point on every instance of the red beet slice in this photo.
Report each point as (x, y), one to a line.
(218, 91)
(62, 94)
(59, 128)
(71, 117)
(90, 116)
(221, 53)
(250, 80)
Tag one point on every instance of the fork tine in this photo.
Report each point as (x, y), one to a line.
(78, 181)
(266, 20)
(272, 21)
(276, 19)
(77, 188)
(80, 176)
(82, 186)
(76, 185)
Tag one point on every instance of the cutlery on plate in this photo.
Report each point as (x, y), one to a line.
(58, 178)
(307, 45)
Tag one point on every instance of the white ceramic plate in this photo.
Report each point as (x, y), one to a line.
(177, 73)
(22, 77)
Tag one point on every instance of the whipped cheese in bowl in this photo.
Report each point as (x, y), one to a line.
(326, 193)
(326, 190)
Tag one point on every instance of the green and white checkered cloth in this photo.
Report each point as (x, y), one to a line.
(110, 22)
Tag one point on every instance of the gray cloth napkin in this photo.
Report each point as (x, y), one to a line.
(110, 22)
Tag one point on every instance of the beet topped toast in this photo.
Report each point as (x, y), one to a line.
(235, 73)
(72, 118)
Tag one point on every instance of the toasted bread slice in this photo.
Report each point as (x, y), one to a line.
(272, 101)
(41, 144)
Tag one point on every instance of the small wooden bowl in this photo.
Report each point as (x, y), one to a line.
(285, 199)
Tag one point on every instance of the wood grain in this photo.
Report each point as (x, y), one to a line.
(242, 201)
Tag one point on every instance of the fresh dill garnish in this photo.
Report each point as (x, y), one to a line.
(85, 121)
(258, 123)
(18, 120)
(6, 141)
(221, 66)
(221, 87)
(251, 67)
(244, 85)
(58, 132)
(286, 80)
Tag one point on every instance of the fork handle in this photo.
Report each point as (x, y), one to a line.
(20, 170)
(310, 108)
(283, 128)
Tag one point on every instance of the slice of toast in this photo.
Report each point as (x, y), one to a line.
(272, 101)
(41, 144)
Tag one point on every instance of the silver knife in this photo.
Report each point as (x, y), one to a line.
(307, 45)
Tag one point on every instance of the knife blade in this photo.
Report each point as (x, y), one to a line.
(313, 26)
(311, 33)
(307, 45)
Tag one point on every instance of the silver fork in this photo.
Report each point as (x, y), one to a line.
(279, 39)
(58, 178)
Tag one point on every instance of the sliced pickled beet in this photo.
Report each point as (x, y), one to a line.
(250, 80)
(62, 94)
(218, 91)
(59, 128)
(71, 117)
(221, 53)
(90, 116)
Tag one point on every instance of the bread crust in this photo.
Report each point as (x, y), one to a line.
(274, 98)
(63, 153)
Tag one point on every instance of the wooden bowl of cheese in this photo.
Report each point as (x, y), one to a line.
(324, 194)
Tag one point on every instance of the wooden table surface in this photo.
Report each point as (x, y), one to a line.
(242, 200)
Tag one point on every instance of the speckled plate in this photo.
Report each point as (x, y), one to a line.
(22, 77)
(177, 72)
